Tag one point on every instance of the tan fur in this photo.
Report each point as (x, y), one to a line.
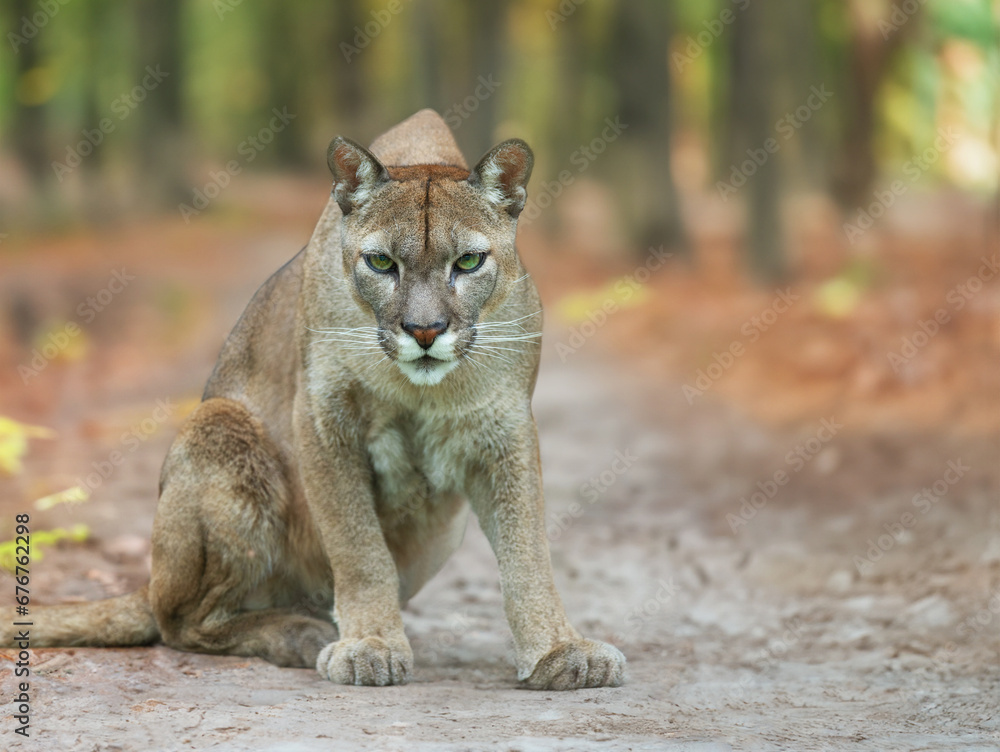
(331, 466)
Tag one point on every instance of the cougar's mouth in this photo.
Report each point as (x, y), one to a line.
(426, 370)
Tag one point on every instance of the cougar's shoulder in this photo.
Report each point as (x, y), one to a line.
(258, 364)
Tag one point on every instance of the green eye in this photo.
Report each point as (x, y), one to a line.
(380, 262)
(470, 262)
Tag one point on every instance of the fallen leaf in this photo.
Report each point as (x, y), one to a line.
(74, 495)
(14, 443)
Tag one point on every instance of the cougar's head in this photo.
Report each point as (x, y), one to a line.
(429, 249)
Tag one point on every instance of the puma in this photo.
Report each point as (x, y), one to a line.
(377, 386)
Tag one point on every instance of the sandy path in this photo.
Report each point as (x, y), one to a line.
(762, 638)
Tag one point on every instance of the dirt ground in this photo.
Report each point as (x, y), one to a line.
(853, 603)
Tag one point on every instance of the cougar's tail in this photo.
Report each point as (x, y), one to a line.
(115, 622)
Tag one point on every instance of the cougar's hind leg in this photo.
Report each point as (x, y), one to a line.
(220, 536)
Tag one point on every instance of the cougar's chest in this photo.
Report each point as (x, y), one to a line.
(416, 461)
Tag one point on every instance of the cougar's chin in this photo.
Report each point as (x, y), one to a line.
(426, 370)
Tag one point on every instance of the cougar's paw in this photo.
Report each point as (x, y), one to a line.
(368, 662)
(576, 664)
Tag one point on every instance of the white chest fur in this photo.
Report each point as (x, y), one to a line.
(417, 460)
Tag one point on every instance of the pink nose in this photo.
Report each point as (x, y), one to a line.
(425, 335)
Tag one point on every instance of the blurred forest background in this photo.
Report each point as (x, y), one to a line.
(700, 87)
(848, 147)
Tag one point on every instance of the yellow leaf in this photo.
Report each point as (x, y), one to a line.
(74, 495)
(67, 339)
(14, 443)
(620, 293)
(838, 297)
(39, 538)
(37, 85)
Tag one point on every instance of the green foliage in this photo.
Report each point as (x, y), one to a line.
(965, 19)
(41, 539)
(235, 61)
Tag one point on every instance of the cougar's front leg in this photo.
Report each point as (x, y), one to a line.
(372, 649)
(507, 497)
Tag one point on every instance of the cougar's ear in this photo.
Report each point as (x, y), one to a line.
(503, 174)
(356, 173)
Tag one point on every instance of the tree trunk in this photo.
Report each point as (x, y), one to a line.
(160, 143)
(758, 74)
(870, 55)
(639, 64)
(29, 128)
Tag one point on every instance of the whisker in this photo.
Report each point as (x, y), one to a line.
(499, 333)
(348, 339)
(350, 342)
(381, 360)
(375, 349)
(367, 327)
(344, 329)
(496, 355)
(501, 358)
(359, 336)
(497, 348)
(512, 321)
(352, 335)
(512, 338)
(475, 362)
(499, 343)
(499, 327)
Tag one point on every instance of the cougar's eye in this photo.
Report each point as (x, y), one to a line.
(469, 262)
(380, 262)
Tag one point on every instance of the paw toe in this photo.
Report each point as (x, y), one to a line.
(369, 662)
(581, 663)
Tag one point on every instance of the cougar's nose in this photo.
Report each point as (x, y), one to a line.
(425, 334)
